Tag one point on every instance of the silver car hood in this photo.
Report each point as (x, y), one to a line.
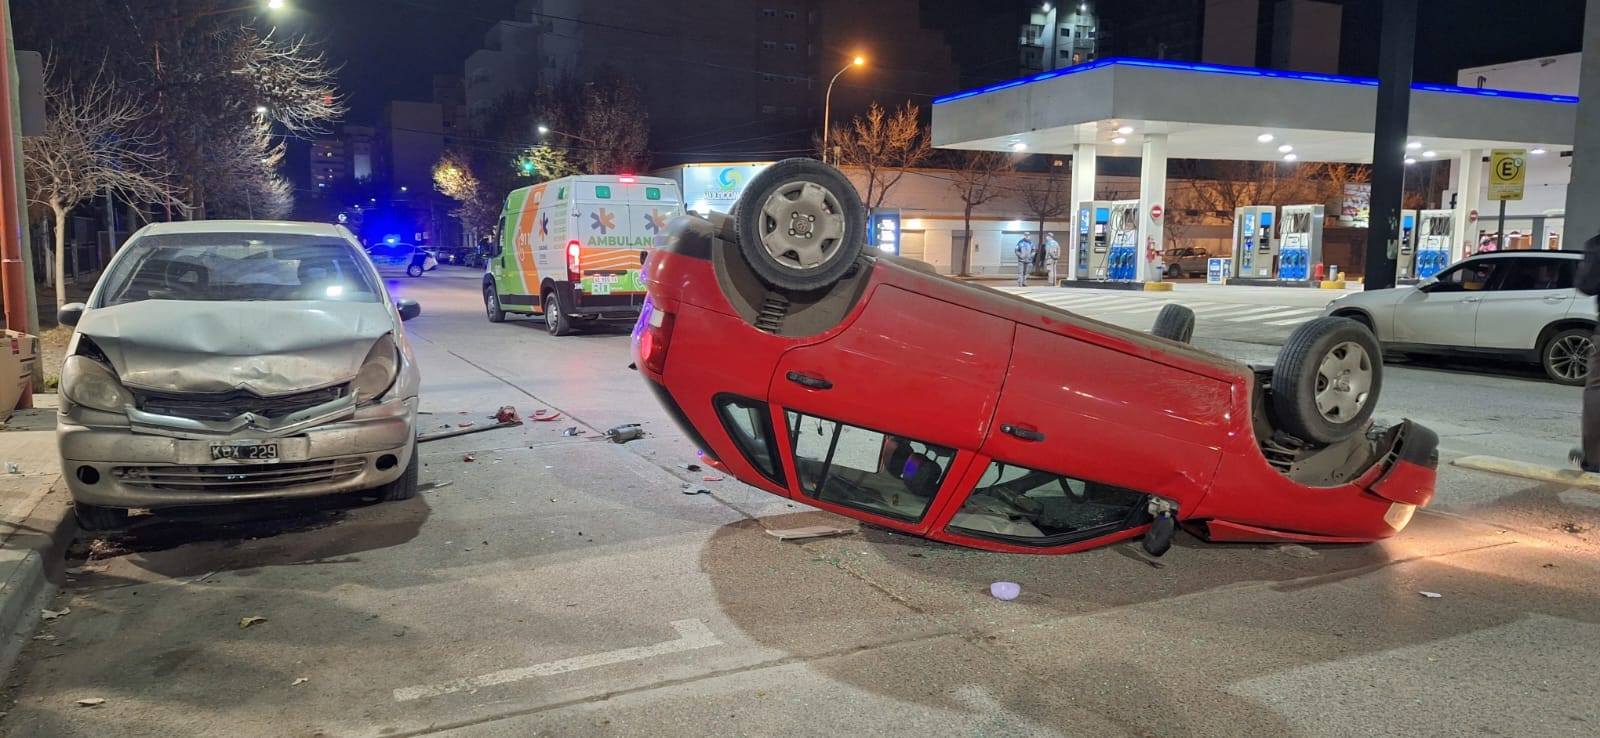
(268, 348)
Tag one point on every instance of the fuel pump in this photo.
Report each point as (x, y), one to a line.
(1094, 240)
(1433, 241)
(1300, 239)
(1405, 262)
(1253, 244)
(1124, 254)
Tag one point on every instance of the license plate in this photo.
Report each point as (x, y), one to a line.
(244, 451)
(599, 287)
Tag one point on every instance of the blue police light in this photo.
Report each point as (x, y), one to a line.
(391, 240)
(1244, 72)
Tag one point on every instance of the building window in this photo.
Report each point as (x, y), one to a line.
(791, 47)
(1066, 32)
(769, 45)
(770, 12)
(768, 78)
(791, 14)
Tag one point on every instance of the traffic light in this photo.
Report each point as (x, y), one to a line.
(527, 166)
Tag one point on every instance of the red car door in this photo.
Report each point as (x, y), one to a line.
(1082, 435)
(879, 416)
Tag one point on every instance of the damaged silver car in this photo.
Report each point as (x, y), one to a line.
(229, 361)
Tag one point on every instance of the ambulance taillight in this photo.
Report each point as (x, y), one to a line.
(574, 262)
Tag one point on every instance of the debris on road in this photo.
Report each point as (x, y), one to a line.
(625, 433)
(810, 531)
(45, 637)
(467, 428)
(437, 486)
(695, 489)
(1007, 591)
(13, 468)
(86, 569)
(91, 701)
(1431, 595)
(507, 414)
(48, 614)
(299, 681)
(573, 431)
(545, 416)
(246, 622)
(691, 467)
(1297, 551)
(712, 478)
(465, 424)
(469, 457)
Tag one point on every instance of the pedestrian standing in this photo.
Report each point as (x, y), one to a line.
(1052, 255)
(1588, 282)
(1025, 252)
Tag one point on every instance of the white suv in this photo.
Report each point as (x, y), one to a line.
(1513, 304)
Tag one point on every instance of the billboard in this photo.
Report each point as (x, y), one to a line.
(715, 187)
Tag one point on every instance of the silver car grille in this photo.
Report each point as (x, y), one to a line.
(239, 478)
(224, 406)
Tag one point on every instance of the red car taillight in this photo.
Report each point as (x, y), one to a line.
(574, 261)
(653, 340)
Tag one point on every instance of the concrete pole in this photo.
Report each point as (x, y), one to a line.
(1396, 51)
(1083, 173)
(1152, 195)
(1468, 171)
(1583, 219)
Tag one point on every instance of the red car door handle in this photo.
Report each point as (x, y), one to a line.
(808, 381)
(1026, 434)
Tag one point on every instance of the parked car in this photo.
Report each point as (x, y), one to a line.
(391, 254)
(228, 361)
(869, 386)
(1518, 305)
(1186, 262)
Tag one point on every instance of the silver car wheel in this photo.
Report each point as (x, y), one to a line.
(1569, 357)
(1344, 381)
(802, 225)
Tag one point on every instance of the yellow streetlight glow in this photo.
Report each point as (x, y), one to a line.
(860, 61)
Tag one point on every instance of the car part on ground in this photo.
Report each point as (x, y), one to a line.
(801, 224)
(1326, 381)
(1174, 323)
(1565, 355)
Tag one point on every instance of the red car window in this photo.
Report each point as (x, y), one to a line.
(1022, 505)
(882, 473)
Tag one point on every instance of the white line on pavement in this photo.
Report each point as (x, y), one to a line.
(692, 635)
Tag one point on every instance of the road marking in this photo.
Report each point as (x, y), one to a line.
(692, 635)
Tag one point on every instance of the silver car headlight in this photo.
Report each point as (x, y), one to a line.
(378, 371)
(92, 384)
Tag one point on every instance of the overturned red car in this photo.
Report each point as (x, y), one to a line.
(871, 387)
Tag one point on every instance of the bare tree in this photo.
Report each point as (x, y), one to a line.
(1046, 199)
(478, 210)
(977, 180)
(884, 145)
(614, 126)
(93, 143)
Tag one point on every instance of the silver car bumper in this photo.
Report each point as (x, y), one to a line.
(118, 467)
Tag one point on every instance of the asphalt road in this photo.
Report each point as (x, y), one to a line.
(563, 585)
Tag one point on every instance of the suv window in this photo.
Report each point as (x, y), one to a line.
(882, 473)
(1038, 508)
(1469, 276)
(1536, 273)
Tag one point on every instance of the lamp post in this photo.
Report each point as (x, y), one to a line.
(543, 130)
(827, 102)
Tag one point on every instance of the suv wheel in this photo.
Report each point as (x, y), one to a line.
(1565, 355)
(1326, 381)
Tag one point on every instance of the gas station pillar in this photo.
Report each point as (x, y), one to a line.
(1152, 202)
(1468, 176)
(1082, 188)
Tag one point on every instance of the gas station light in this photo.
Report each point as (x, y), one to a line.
(1125, 130)
(1265, 138)
(1290, 157)
(1284, 149)
(1429, 154)
(1047, 7)
(1537, 151)
(1119, 140)
(1410, 160)
(1414, 145)
(1019, 146)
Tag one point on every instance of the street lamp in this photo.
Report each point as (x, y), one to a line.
(261, 110)
(546, 130)
(827, 101)
(275, 4)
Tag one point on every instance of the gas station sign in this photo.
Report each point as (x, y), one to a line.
(885, 231)
(1508, 172)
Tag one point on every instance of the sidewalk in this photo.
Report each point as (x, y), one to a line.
(35, 522)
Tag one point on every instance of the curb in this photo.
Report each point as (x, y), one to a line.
(1332, 284)
(1525, 470)
(31, 564)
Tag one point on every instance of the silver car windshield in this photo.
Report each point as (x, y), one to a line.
(229, 267)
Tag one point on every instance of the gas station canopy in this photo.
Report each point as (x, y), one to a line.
(1209, 111)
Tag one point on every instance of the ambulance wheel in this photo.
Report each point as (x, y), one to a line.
(800, 224)
(556, 321)
(1326, 381)
(1174, 323)
(491, 305)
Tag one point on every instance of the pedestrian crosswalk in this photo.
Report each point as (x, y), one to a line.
(1134, 309)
